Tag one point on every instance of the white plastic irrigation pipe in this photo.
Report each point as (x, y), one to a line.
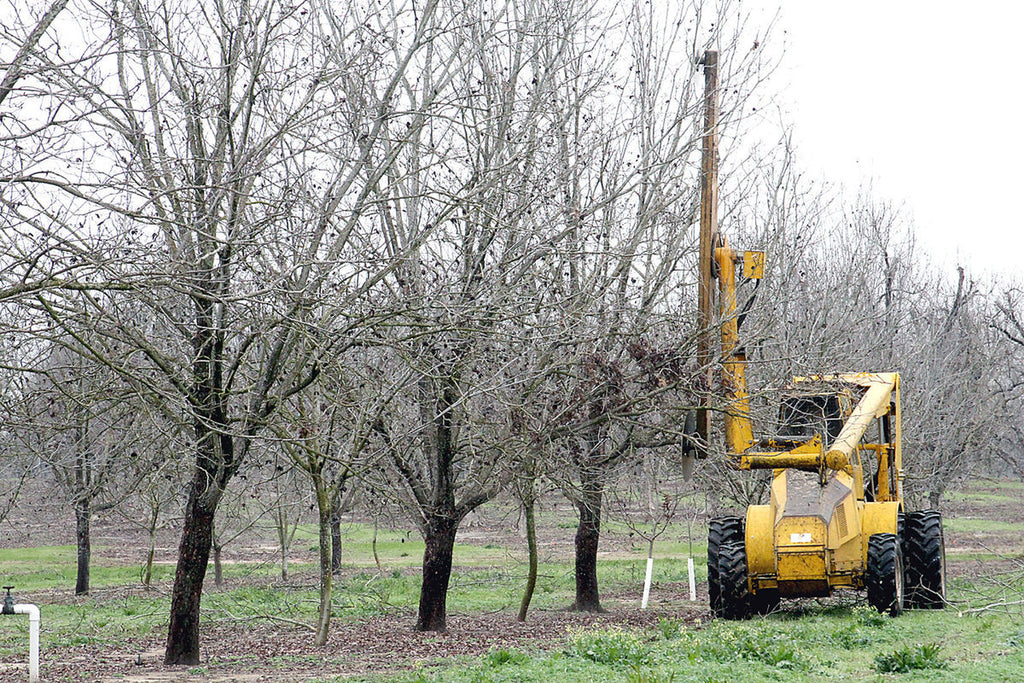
(33, 639)
(693, 579)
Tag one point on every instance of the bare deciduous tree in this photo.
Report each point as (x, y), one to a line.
(200, 174)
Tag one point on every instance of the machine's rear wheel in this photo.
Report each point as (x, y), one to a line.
(884, 577)
(732, 572)
(721, 530)
(925, 556)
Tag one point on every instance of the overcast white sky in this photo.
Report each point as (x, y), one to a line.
(925, 100)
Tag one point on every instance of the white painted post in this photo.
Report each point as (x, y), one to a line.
(693, 580)
(647, 582)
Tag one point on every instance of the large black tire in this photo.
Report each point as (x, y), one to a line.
(721, 530)
(924, 551)
(732, 572)
(884, 579)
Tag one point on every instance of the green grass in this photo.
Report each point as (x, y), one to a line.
(55, 567)
(395, 548)
(911, 658)
(1003, 484)
(976, 525)
(90, 620)
(983, 499)
(989, 493)
(809, 642)
(837, 644)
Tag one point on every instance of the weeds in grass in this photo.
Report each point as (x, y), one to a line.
(868, 623)
(499, 657)
(648, 676)
(910, 658)
(611, 646)
(853, 639)
(868, 616)
(757, 644)
(669, 629)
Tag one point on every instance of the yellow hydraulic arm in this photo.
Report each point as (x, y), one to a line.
(738, 430)
(842, 454)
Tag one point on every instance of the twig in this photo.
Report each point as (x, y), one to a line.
(988, 608)
(268, 617)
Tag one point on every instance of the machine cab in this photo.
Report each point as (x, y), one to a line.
(801, 416)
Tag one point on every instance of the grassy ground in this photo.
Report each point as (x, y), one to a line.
(256, 626)
(839, 643)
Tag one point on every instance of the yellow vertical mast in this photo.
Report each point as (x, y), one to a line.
(738, 430)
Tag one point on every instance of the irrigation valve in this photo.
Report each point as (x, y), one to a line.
(8, 601)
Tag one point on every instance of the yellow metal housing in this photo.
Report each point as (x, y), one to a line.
(812, 537)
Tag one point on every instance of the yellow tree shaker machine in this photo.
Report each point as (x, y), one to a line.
(835, 517)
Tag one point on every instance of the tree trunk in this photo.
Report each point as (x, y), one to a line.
(373, 546)
(83, 541)
(281, 520)
(147, 570)
(588, 533)
(437, 571)
(326, 517)
(531, 545)
(336, 534)
(218, 556)
(218, 564)
(193, 557)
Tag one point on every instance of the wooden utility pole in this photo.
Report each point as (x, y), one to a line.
(708, 238)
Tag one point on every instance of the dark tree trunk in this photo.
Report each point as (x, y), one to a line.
(154, 521)
(325, 519)
(588, 533)
(193, 558)
(83, 541)
(437, 571)
(529, 500)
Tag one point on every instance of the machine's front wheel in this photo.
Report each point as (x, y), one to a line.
(925, 555)
(721, 530)
(884, 579)
(732, 572)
